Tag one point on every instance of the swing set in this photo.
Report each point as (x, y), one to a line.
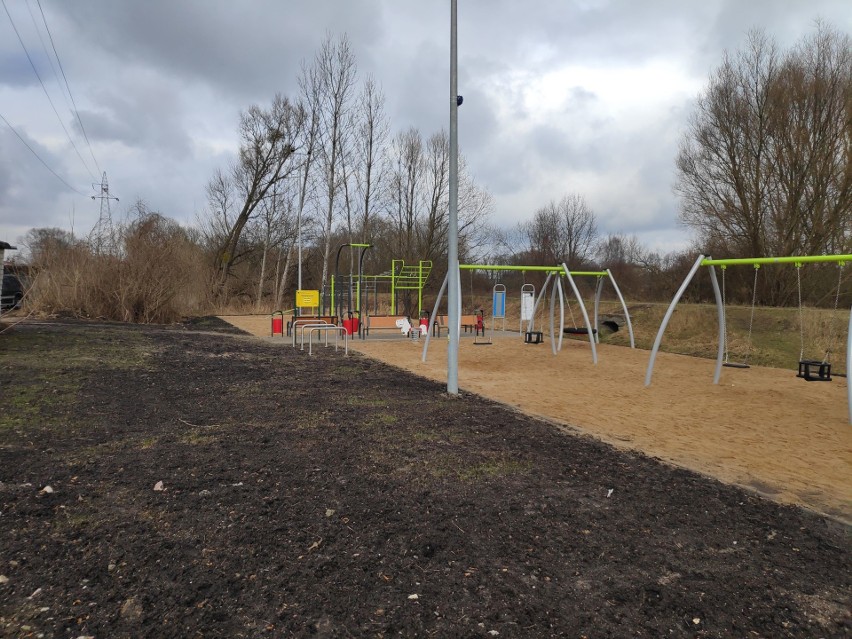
(527, 293)
(809, 369)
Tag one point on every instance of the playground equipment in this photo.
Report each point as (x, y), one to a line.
(479, 336)
(355, 293)
(325, 330)
(532, 336)
(806, 366)
(353, 313)
(744, 363)
(401, 277)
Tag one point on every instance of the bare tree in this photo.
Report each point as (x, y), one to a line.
(372, 133)
(721, 165)
(332, 81)
(562, 232)
(309, 88)
(810, 204)
(405, 162)
(765, 167)
(266, 149)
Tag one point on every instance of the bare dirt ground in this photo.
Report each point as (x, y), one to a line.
(192, 482)
(761, 428)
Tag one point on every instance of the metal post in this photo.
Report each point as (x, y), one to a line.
(848, 360)
(623, 307)
(658, 340)
(720, 312)
(433, 317)
(454, 316)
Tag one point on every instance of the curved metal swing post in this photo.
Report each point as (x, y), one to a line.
(598, 290)
(623, 307)
(849, 359)
(433, 317)
(658, 340)
(583, 311)
(723, 328)
(557, 287)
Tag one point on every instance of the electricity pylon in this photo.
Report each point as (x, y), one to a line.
(101, 238)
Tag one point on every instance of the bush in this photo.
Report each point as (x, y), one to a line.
(156, 275)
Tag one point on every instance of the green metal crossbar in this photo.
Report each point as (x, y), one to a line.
(544, 269)
(798, 260)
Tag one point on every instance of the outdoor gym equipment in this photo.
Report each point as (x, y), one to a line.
(804, 365)
(352, 323)
(325, 330)
(299, 325)
(401, 277)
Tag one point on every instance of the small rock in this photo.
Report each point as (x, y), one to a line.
(159, 486)
(493, 633)
(43, 609)
(329, 512)
(204, 493)
(4, 579)
(609, 492)
(47, 490)
(131, 610)
(696, 620)
(36, 593)
(111, 567)
(413, 597)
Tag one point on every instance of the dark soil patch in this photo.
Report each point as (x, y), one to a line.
(339, 497)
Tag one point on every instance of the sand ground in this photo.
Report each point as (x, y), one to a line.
(761, 428)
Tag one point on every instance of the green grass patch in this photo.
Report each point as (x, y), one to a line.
(46, 369)
(197, 438)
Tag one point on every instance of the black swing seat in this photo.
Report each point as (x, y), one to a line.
(532, 337)
(578, 331)
(813, 370)
(736, 365)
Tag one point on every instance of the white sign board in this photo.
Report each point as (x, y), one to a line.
(527, 305)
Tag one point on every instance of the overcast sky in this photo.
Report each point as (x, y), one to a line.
(587, 96)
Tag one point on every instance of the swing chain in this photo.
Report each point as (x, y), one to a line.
(834, 313)
(724, 268)
(801, 311)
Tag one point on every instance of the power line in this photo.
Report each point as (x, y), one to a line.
(47, 54)
(38, 157)
(68, 86)
(44, 88)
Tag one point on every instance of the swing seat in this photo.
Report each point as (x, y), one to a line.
(736, 365)
(533, 337)
(578, 331)
(813, 370)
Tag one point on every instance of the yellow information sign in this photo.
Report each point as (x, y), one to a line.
(307, 299)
